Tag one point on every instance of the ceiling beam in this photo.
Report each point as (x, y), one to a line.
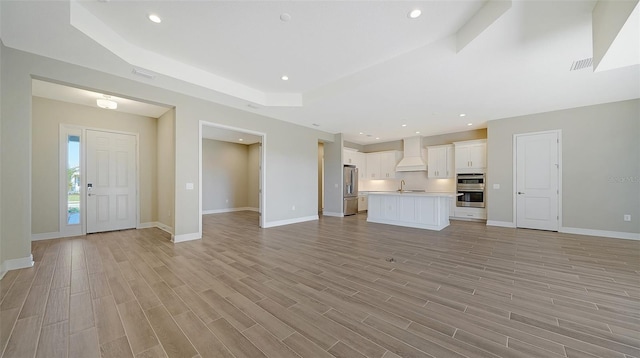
(491, 11)
(616, 34)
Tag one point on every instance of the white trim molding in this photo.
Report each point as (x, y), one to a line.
(501, 223)
(46, 236)
(185, 237)
(230, 210)
(603, 233)
(290, 221)
(329, 213)
(15, 264)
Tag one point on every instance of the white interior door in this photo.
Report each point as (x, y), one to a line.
(111, 181)
(537, 181)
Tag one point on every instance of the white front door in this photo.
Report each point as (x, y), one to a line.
(537, 181)
(111, 181)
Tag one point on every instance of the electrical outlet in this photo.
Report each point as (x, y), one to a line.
(627, 217)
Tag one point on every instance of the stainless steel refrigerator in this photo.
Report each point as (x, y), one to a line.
(350, 190)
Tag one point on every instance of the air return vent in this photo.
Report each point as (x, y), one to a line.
(581, 64)
(143, 73)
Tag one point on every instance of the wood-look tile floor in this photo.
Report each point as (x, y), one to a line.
(336, 287)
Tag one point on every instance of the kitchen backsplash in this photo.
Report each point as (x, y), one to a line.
(413, 180)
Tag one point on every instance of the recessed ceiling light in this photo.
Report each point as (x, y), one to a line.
(240, 139)
(284, 78)
(417, 132)
(462, 114)
(414, 14)
(155, 18)
(361, 133)
(469, 124)
(377, 137)
(404, 125)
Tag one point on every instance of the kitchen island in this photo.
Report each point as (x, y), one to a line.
(412, 209)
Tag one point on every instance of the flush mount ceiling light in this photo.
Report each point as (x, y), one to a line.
(404, 125)
(284, 17)
(106, 103)
(414, 14)
(155, 18)
(462, 115)
(469, 124)
(284, 78)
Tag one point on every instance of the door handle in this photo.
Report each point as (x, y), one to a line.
(520, 193)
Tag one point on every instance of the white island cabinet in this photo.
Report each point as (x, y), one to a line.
(418, 209)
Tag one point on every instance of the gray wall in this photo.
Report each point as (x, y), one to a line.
(45, 179)
(426, 141)
(601, 164)
(253, 164)
(287, 145)
(225, 175)
(166, 180)
(333, 176)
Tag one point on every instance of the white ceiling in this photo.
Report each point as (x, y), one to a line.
(354, 66)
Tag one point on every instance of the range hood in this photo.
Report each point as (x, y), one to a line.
(412, 161)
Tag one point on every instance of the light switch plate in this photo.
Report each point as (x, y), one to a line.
(189, 186)
(496, 186)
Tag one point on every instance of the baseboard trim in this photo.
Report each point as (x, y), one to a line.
(185, 237)
(603, 233)
(501, 223)
(46, 236)
(147, 225)
(15, 264)
(329, 213)
(155, 224)
(290, 221)
(229, 210)
(52, 235)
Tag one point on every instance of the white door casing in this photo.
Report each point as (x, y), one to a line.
(537, 180)
(111, 181)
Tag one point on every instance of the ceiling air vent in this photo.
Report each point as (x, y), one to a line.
(143, 73)
(581, 64)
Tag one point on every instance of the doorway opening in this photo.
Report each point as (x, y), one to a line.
(232, 170)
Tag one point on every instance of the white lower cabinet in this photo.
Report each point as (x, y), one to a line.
(470, 213)
(418, 211)
(363, 202)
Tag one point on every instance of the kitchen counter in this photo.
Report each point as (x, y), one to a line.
(423, 210)
(413, 193)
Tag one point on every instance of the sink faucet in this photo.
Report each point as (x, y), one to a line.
(402, 183)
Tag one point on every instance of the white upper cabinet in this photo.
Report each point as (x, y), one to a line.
(440, 161)
(348, 156)
(358, 159)
(382, 165)
(471, 156)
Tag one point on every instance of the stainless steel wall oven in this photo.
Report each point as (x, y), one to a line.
(470, 188)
